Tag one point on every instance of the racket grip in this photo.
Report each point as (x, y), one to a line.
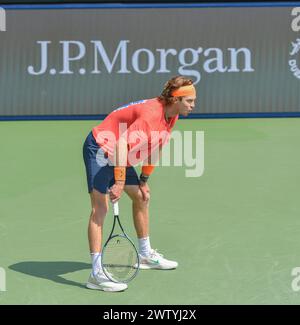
(116, 208)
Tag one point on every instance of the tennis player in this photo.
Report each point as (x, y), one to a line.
(130, 135)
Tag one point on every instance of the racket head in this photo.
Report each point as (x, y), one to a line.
(120, 259)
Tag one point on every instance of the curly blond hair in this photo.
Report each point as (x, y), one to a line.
(171, 85)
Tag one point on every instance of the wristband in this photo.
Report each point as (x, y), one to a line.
(144, 178)
(120, 174)
(147, 170)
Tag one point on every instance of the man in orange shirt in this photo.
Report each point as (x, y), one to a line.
(129, 135)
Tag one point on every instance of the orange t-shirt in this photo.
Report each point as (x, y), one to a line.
(143, 124)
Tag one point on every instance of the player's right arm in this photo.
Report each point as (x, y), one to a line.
(137, 133)
(121, 152)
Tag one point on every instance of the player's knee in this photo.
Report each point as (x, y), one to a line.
(99, 212)
(139, 199)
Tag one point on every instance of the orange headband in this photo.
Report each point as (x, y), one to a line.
(184, 91)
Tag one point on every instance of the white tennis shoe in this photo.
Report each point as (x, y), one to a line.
(101, 282)
(156, 261)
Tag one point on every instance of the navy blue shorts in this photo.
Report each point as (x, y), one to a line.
(99, 174)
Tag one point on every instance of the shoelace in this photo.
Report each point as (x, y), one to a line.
(155, 253)
(103, 274)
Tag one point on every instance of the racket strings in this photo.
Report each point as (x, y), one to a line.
(120, 259)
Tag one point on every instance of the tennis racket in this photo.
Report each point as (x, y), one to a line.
(120, 259)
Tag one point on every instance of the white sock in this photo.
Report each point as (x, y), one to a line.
(96, 262)
(144, 246)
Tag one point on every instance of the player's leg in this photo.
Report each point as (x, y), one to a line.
(99, 175)
(97, 279)
(99, 204)
(140, 210)
(149, 258)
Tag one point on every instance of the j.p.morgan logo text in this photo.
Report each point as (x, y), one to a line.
(190, 62)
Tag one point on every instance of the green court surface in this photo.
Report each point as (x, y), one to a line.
(234, 230)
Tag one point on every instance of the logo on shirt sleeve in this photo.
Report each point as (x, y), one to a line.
(132, 103)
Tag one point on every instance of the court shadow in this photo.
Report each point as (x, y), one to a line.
(51, 270)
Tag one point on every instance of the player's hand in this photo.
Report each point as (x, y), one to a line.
(115, 191)
(144, 187)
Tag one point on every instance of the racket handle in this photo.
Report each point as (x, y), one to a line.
(116, 208)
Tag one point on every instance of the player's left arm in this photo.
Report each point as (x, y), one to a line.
(147, 169)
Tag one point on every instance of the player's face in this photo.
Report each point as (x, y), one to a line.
(186, 105)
